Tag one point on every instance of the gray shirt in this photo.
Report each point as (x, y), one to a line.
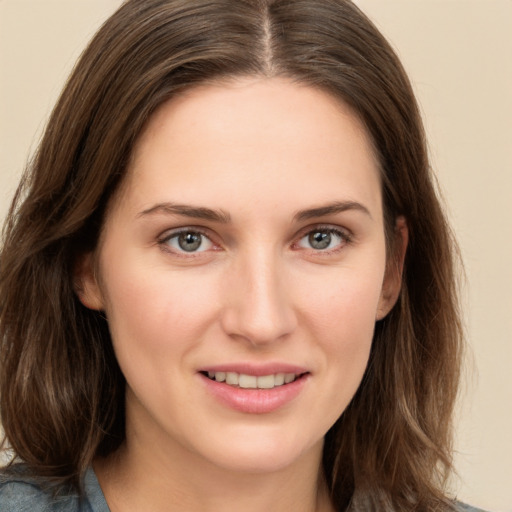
(21, 494)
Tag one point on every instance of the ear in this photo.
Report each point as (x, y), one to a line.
(394, 269)
(85, 282)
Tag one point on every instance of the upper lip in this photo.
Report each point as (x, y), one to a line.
(257, 370)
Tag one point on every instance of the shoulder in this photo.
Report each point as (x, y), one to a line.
(20, 493)
(20, 496)
(462, 507)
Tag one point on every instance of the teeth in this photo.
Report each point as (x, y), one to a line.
(279, 379)
(232, 378)
(266, 381)
(289, 377)
(248, 381)
(220, 376)
(251, 381)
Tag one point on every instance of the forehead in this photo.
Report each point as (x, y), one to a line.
(254, 134)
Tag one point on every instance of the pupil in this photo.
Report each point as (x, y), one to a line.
(189, 241)
(320, 240)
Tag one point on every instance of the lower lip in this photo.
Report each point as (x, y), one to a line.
(255, 401)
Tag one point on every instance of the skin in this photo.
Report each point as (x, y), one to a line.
(257, 151)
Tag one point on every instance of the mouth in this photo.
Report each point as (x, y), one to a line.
(255, 389)
(245, 381)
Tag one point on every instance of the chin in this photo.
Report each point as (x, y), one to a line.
(263, 454)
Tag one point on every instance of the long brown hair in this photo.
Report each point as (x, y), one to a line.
(62, 392)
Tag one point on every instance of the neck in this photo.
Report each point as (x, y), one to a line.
(139, 477)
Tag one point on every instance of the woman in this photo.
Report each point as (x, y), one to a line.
(226, 279)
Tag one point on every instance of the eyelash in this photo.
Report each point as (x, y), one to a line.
(163, 241)
(344, 236)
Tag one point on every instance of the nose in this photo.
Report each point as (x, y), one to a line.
(258, 306)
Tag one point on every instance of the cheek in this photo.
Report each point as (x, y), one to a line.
(345, 303)
(342, 321)
(150, 307)
(347, 324)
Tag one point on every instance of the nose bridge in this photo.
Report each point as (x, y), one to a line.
(259, 308)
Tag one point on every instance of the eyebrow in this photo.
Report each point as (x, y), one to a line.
(195, 212)
(331, 209)
(200, 212)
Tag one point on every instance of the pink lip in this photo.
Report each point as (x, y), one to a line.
(254, 401)
(256, 369)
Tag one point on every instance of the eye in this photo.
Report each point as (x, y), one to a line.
(323, 239)
(188, 241)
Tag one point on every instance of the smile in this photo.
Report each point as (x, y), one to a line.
(242, 380)
(255, 389)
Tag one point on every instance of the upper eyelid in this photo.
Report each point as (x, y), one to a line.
(324, 227)
(172, 232)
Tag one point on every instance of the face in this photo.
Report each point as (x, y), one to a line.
(242, 268)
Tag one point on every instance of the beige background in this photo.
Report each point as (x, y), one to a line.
(459, 56)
